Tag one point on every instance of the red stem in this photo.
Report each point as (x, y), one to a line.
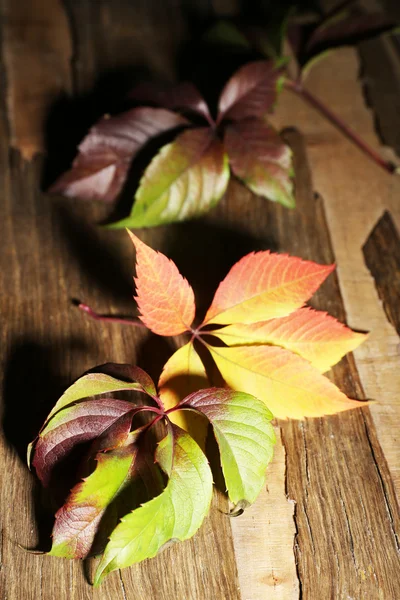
(94, 315)
(299, 89)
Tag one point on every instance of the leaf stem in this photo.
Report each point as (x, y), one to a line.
(298, 88)
(94, 315)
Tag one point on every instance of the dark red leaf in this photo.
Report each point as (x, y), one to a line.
(350, 29)
(75, 425)
(183, 96)
(105, 155)
(259, 157)
(250, 92)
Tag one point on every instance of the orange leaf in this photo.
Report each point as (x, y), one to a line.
(164, 297)
(312, 334)
(264, 286)
(183, 374)
(287, 383)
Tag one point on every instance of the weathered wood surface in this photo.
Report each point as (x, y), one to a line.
(327, 524)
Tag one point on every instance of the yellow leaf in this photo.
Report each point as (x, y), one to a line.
(314, 335)
(287, 383)
(183, 374)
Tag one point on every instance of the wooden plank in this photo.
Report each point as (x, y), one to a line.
(382, 256)
(37, 50)
(355, 192)
(336, 471)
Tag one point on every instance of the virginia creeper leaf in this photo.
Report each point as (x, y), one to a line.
(78, 520)
(264, 286)
(261, 160)
(244, 435)
(105, 155)
(346, 27)
(251, 91)
(183, 96)
(314, 335)
(176, 514)
(164, 297)
(185, 179)
(77, 424)
(183, 374)
(287, 383)
(93, 384)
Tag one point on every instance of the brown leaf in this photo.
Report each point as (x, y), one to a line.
(105, 155)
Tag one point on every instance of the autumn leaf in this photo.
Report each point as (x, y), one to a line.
(261, 160)
(189, 175)
(78, 521)
(264, 286)
(125, 495)
(184, 97)
(164, 297)
(251, 91)
(277, 348)
(105, 155)
(186, 179)
(183, 374)
(287, 383)
(314, 335)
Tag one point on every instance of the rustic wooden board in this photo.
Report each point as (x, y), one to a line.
(331, 473)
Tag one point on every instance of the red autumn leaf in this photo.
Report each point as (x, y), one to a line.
(251, 91)
(183, 97)
(347, 27)
(74, 425)
(264, 286)
(105, 155)
(164, 297)
(260, 159)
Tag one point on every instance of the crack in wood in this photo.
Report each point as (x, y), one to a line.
(382, 257)
(388, 497)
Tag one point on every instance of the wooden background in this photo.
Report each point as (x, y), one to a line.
(327, 525)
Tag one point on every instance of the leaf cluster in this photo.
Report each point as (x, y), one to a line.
(257, 331)
(190, 174)
(145, 499)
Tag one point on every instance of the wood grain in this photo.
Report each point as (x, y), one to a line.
(331, 473)
(382, 257)
(37, 50)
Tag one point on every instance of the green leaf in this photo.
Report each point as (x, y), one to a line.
(92, 384)
(185, 179)
(176, 514)
(79, 520)
(244, 435)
